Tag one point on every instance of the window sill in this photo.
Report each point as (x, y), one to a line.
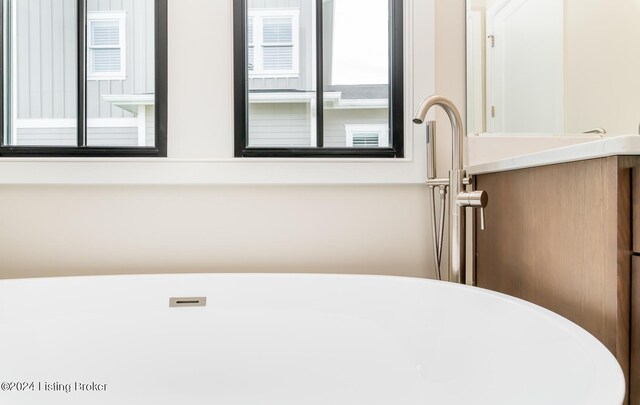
(255, 171)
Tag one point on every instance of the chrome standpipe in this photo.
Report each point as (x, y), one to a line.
(436, 186)
(460, 199)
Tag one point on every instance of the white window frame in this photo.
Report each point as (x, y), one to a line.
(121, 18)
(381, 129)
(258, 15)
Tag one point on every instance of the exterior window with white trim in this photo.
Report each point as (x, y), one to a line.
(367, 136)
(277, 44)
(106, 42)
(273, 42)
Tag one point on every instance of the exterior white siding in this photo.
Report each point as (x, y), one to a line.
(45, 58)
(335, 135)
(305, 79)
(124, 136)
(150, 125)
(280, 125)
(40, 136)
(139, 58)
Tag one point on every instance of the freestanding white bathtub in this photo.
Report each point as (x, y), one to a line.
(290, 340)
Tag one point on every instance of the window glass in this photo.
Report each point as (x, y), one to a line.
(281, 74)
(312, 70)
(250, 44)
(356, 68)
(366, 139)
(62, 100)
(41, 101)
(120, 73)
(367, 136)
(277, 43)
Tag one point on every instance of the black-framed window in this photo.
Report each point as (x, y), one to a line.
(318, 78)
(84, 78)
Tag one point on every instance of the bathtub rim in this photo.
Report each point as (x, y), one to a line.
(596, 348)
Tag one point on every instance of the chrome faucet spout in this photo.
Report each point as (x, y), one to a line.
(456, 123)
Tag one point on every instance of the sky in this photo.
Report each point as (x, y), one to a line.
(360, 50)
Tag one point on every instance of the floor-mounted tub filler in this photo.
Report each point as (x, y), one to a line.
(251, 339)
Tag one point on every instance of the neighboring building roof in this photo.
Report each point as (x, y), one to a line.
(364, 96)
(348, 92)
(364, 91)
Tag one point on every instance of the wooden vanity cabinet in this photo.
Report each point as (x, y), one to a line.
(634, 381)
(561, 236)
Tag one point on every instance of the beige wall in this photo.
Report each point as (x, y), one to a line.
(602, 62)
(79, 230)
(104, 230)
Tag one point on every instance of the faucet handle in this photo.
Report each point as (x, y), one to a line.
(475, 199)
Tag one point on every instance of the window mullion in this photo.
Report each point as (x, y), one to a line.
(319, 75)
(82, 73)
(6, 89)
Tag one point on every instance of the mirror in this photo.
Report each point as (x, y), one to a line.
(553, 66)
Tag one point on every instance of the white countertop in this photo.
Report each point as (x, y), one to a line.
(614, 146)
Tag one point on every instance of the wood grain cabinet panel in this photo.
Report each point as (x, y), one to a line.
(634, 383)
(636, 208)
(560, 236)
